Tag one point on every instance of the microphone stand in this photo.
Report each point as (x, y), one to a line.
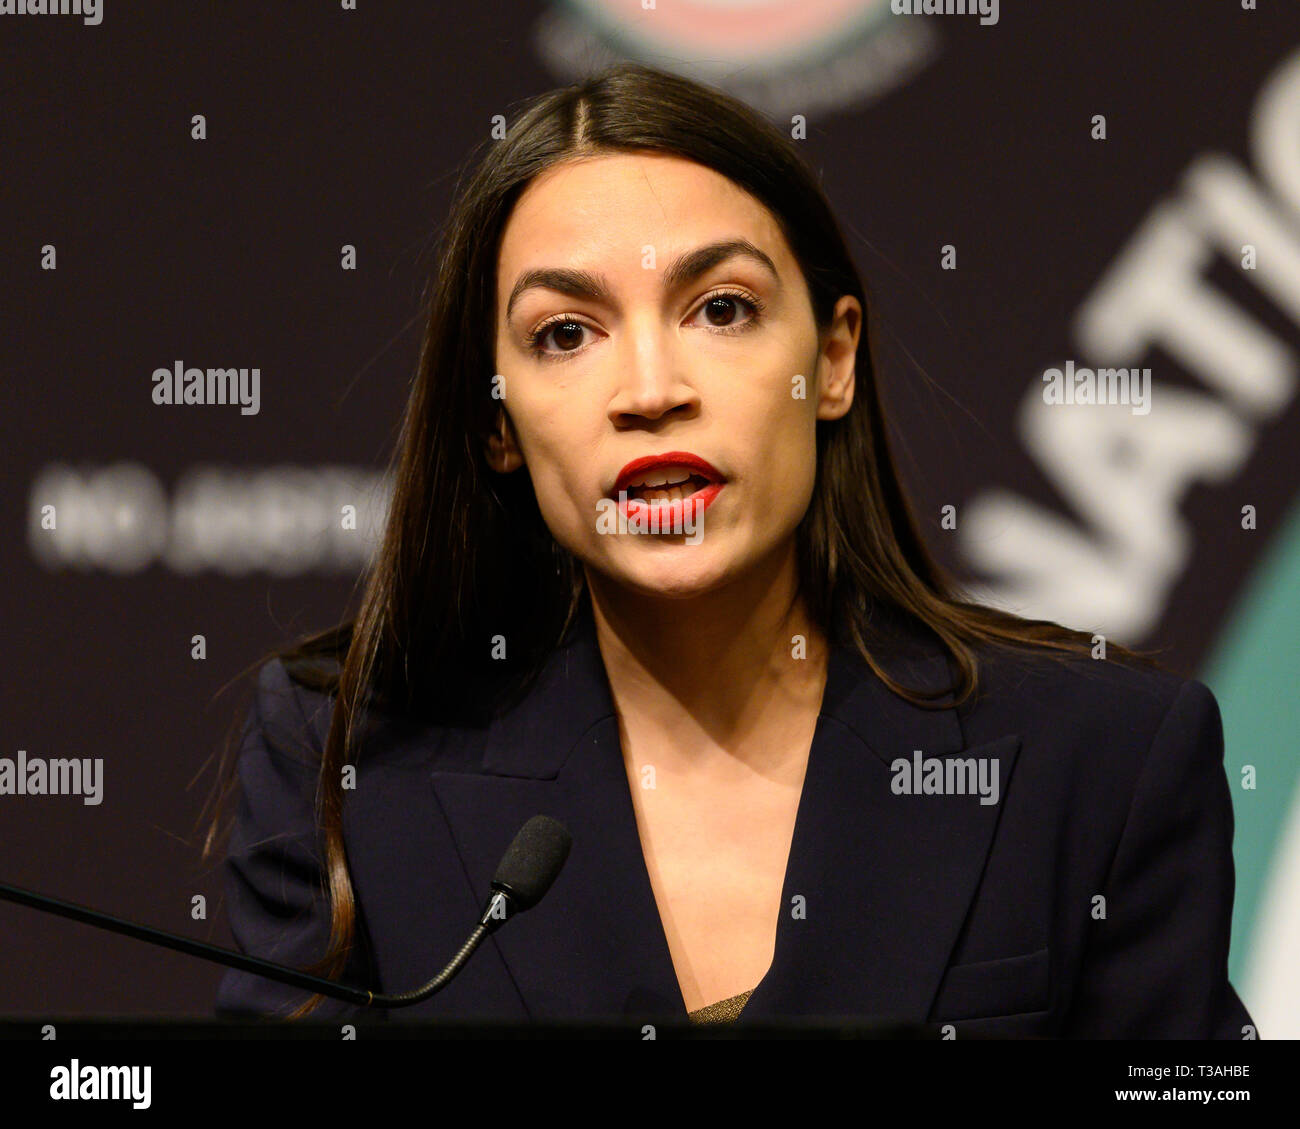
(526, 872)
(280, 973)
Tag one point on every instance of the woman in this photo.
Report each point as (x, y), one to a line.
(803, 778)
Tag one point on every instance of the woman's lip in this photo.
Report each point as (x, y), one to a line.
(675, 514)
(691, 462)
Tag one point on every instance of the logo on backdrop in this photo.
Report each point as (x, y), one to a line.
(1125, 470)
(780, 56)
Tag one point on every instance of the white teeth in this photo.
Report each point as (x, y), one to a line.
(662, 476)
(659, 495)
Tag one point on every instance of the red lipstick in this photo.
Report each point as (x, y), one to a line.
(693, 463)
(687, 509)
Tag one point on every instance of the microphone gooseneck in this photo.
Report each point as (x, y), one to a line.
(523, 876)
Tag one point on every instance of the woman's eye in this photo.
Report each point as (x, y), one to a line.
(567, 336)
(729, 311)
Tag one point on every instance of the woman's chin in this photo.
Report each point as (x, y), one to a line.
(672, 575)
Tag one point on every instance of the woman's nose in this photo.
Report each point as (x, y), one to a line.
(652, 379)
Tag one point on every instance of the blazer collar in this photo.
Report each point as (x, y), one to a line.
(876, 889)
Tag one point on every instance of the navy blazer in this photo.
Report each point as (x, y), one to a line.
(1093, 899)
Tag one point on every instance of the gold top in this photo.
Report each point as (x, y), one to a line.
(724, 1011)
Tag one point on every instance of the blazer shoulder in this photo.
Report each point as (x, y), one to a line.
(315, 663)
(1095, 726)
(276, 889)
(290, 719)
(296, 695)
(1127, 698)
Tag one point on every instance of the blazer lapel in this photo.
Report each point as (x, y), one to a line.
(876, 888)
(878, 883)
(595, 944)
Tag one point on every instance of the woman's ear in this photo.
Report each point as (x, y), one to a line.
(501, 447)
(838, 359)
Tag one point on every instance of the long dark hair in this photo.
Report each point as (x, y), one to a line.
(466, 554)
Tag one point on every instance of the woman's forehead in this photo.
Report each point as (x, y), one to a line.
(615, 206)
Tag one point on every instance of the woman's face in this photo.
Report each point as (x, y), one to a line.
(648, 305)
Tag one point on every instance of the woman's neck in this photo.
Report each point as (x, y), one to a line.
(739, 672)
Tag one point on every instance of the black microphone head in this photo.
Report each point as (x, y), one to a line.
(532, 861)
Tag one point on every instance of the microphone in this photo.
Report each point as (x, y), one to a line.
(524, 875)
(526, 870)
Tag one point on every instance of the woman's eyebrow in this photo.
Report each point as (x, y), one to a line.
(683, 269)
